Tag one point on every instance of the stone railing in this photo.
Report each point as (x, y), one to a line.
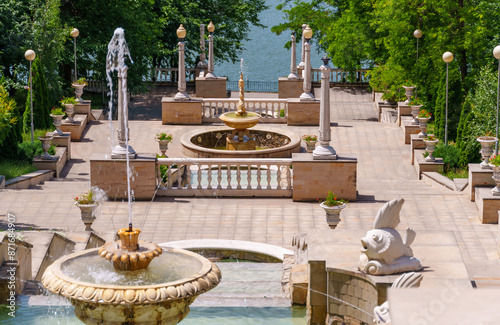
(96, 86)
(171, 75)
(224, 177)
(340, 76)
(271, 110)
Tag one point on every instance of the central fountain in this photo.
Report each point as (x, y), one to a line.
(132, 289)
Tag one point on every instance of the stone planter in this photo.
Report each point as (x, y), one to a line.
(310, 146)
(70, 111)
(46, 146)
(422, 123)
(333, 214)
(87, 214)
(163, 144)
(78, 92)
(430, 146)
(415, 110)
(496, 177)
(57, 123)
(408, 93)
(487, 145)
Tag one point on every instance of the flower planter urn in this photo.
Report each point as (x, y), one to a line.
(70, 112)
(422, 123)
(57, 123)
(408, 93)
(430, 146)
(87, 214)
(310, 146)
(415, 110)
(78, 92)
(333, 214)
(487, 145)
(496, 177)
(163, 144)
(45, 146)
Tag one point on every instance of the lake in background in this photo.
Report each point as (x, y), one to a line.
(264, 55)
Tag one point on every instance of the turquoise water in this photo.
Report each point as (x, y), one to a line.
(265, 58)
(64, 315)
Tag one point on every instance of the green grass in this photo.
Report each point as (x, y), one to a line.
(456, 173)
(36, 134)
(11, 169)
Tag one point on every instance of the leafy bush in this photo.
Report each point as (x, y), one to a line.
(41, 107)
(389, 79)
(450, 155)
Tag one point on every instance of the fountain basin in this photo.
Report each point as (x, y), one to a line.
(160, 294)
(270, 142)
(240, 123)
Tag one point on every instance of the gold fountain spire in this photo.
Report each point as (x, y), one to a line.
(241, 104)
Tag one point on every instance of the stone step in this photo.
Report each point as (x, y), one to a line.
(461, 184)
(438, 180)
(97, 115)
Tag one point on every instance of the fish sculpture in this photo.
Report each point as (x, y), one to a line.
(384, 250)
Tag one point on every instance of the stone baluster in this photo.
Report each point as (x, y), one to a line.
(170, 181)
(288, 178)
(268, 177)
(179, 177)
(189, 176)
(229, 187)
(278, 176)
(209, 177)
(199, 178)
(219, 177)
(238, 177)
(258, 177)
(249, 177)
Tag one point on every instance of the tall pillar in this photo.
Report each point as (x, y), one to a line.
(302, 63)
(324, 150)
(210, 74)
(203, 62)
(293, 65)
(121, 151)
(181, 94)
(307, 95)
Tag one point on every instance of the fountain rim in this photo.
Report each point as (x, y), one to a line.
(186, 141)
(57, 282)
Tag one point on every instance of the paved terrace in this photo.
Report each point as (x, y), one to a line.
(384, 173)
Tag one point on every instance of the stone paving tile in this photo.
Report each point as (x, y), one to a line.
(384, 173)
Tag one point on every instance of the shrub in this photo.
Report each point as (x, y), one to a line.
(41, 108)
(389, 79)
(450, 155)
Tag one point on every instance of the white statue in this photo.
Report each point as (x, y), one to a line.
(407, 280)
(384, 251)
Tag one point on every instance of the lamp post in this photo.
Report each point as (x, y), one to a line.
(302, 63)
(293, 65)
(496, 54)
(202, 63)
(30, 56)
(307, 95)
(447, 57)
(418, 34)
(210, 74)
(181, 94)
(324, 150)
(74, 33)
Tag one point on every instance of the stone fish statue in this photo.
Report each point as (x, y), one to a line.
(407, 280)
(384, 251)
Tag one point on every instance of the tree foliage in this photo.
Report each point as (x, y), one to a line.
(41, 107)
(8, 114)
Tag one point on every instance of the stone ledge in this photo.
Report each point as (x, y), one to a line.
(422, 165)
(409, 129)
(487, 204)
(57, 162)
(76, 129)
(416, 143)
(479, 177)
(63, 140)
(403, 110)
(439, 179)
(27, 180)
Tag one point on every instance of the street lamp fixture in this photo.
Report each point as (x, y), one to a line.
(447, 57)
(210, 74)
(496, 54)
(307, 95)
(74, 33)
(181, 94)
(30, 56)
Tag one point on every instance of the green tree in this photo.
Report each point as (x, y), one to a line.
(41, 108)
(10, 125)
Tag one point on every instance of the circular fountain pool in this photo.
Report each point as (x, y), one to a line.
(160, 294)
(211, 143)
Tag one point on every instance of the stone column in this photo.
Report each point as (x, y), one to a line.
(324, 150)
(120, 151)
(307, 95)
(203, 62)
(181, 94)
(302, 63)
(293, 65)
(210, 74)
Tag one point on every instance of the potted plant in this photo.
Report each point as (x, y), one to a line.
(78, 85)
(163, 140)
(494, 163)
(45, 146)
(430, 145)
(333, 207)
(57, 114)
(408, 86)
(415, 105)
(310, 141)
(69, 105)
(487, 143)
(87, 203)
(423, 117)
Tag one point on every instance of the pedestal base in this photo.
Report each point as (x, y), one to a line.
(121, 152)
(303, 112)
(409, 129)
(75, 128)
(416, 143)
(207, 87)
(422, 165)
(487, 204)
(237, 145)
(290, 88)
(55, 163)
(175, 112)
(479, 177)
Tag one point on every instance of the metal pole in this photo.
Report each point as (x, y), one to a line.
(416, 64)
(417, 50)
(74, 43)
(498, 97)
(446, 116)
(31, 100)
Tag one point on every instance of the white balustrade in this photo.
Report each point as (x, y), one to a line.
(340, 76)
(224, 177)
(171, 75)
(269, 109)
